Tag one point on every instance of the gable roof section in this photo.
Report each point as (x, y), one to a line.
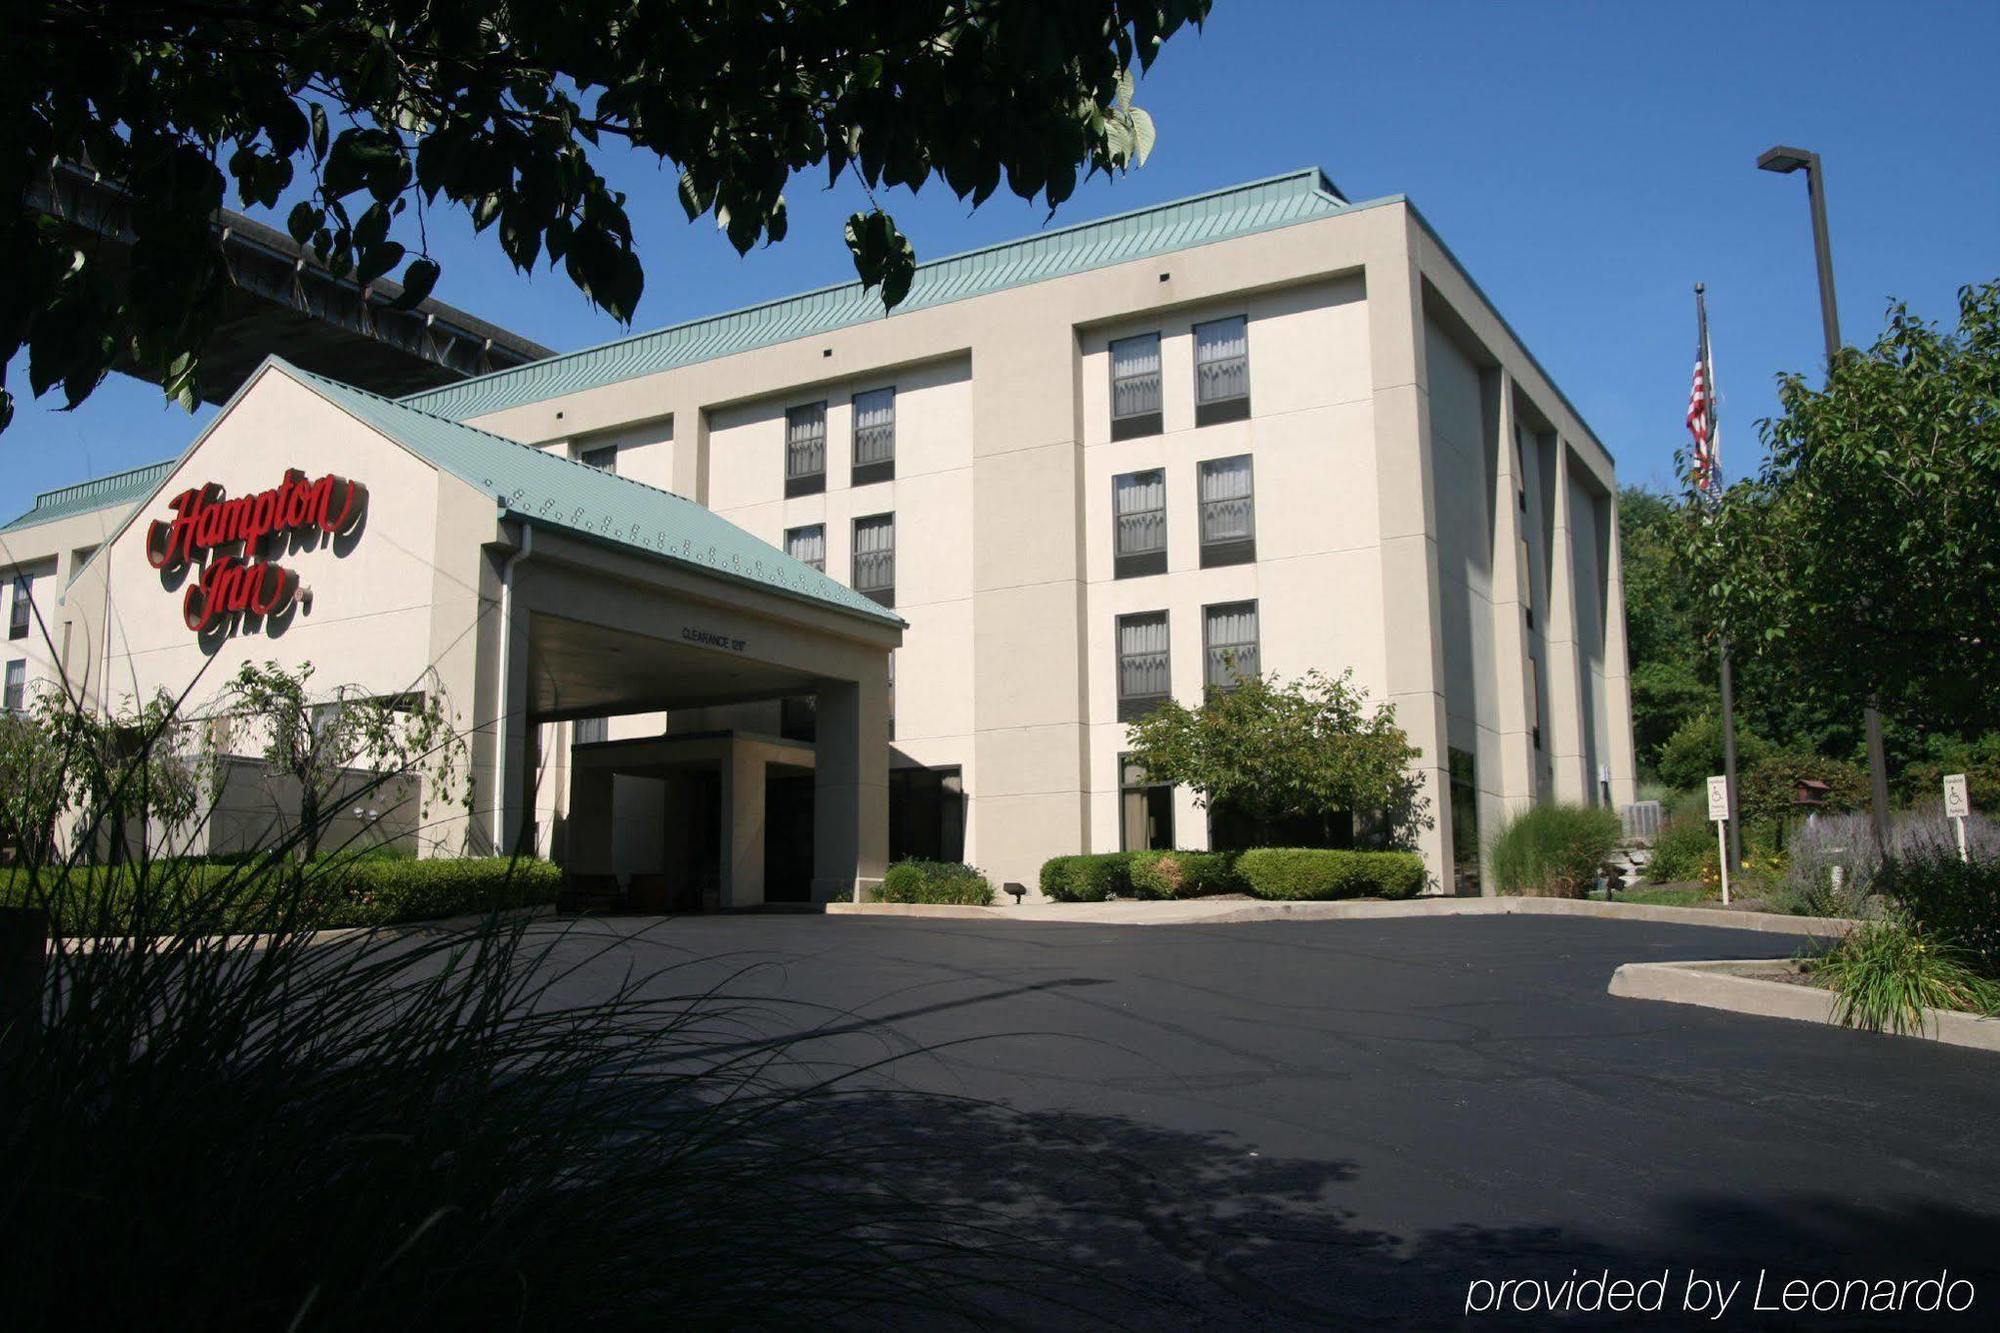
(120, 488)
(1219, 215)
(546, 488)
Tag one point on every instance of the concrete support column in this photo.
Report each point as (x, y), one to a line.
(1406, 512)
(513, 803)
(743, 826)
(588, 838)
(1515, 780)
(1573, 783)
(1620, 751)
(850, 785)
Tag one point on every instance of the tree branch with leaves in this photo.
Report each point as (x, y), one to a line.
(365, 115)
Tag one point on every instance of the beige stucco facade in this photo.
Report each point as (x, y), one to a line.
(1430, 514)
(1386, 399)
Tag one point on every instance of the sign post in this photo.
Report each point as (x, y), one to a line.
(1718, 810)
(1957, 805)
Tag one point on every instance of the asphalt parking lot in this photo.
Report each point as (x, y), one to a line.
(1302, 1123)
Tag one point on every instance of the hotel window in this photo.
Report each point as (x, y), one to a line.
(17, 685)
(1135, 386)
(926, 814)
(874, 436)
(604, 458)
(1145, 810)
(1464, 773)
(1139, 516)
(875, 557)
(805, 449)
(1535, 701)
(24, 598)
(1229, 643)
(1228, 512)
(1221, 371)
(1143, 680)
(807, 545)
(590, 730)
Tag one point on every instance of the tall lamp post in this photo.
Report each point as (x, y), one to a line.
(1785, 160)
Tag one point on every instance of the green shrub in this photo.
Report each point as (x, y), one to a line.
(1694, 752)
(1554, 851)
(949, 882)
(1956, 902)
(1289, 873)
(330, 892)
(1089, 878)
(1682, 851)
(1769, 790)
(1184, 874)
(1884, 974)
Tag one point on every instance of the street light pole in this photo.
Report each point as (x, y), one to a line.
(1785, 160)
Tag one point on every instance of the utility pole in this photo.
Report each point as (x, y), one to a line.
(1785, 160)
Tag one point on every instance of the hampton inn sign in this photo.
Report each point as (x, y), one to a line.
(205, 521)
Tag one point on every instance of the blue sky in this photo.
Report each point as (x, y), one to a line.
(1587, 163)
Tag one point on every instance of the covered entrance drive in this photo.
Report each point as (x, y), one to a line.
(699, 816)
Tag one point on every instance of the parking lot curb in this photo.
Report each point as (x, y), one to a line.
(1210, 912)
(1721, 984)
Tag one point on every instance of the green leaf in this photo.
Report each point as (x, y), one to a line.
(377, 260)
(882, 255)
(305, 219)
(418, 280)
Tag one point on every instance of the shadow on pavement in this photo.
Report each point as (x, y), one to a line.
(1103, 1221)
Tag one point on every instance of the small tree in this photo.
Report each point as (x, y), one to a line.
(1279, 751)
(57, 759)
(1860, 565)
(318, 740)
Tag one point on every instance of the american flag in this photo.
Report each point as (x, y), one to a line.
(1701, 422)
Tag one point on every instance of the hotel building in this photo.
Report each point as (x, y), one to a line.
(751, 605)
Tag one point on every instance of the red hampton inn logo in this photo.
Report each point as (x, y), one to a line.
(206, 521)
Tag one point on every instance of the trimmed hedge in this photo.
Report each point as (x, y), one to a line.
(950, 882)
(1295, 873)
(336, 891)
(1268, 872)
(1089, 878)
(1184, 874)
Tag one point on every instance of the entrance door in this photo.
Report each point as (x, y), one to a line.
(788, 838)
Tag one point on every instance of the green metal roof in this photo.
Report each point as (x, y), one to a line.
(120, 488)
(1220, 215)
(549, 489)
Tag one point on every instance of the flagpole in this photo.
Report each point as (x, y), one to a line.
(1722, 640)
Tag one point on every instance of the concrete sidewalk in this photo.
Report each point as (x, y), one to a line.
(1228, 911)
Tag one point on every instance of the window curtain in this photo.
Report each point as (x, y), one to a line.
(1226, 500)
(1139, 502)
(874, 426)
(1222, 360)
(807, 545)
(1142, 657)
(1135, 376)
(875, 553)
(1232, 644)
(805, 440)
